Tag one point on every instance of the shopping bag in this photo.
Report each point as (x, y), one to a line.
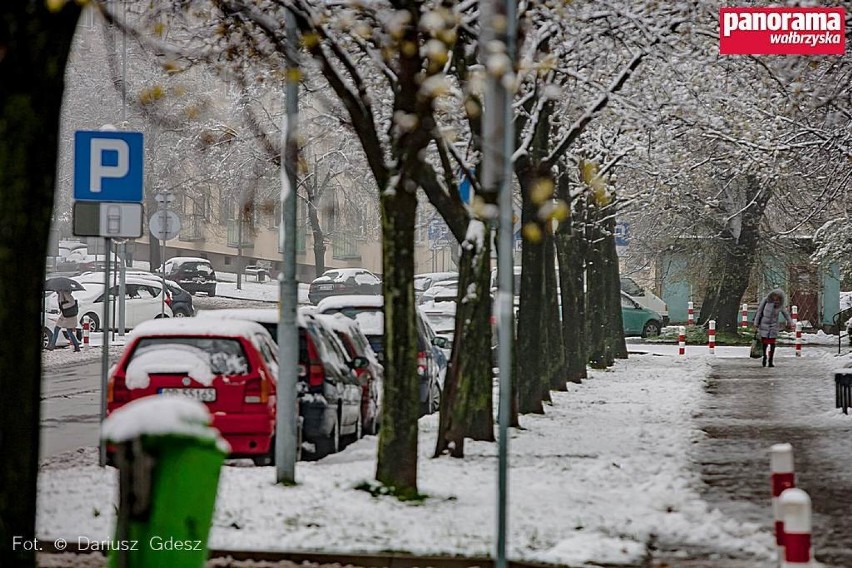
(756, 348)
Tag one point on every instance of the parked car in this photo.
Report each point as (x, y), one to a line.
(344, 281)
(178, 299)
(426, 280)
(638, 320)
(444, 291)
(228, 365)
(328, 390)
(370, 376)
(368, 312)
(645, 298)
(192, 274)
(143, 300)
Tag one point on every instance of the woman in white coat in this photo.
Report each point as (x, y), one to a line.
(767, 324)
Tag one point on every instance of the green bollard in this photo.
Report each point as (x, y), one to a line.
(169, 461)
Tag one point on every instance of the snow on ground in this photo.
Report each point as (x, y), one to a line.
(266, 291)
(600, 476)
(845, 300)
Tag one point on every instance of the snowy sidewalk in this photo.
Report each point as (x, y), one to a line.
(603, 477)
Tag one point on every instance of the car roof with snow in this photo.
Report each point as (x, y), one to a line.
(183, 259)
(266, 316)
(222, 327)
(351, 301)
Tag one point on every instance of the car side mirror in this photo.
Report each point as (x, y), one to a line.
(441, 342)
(359, 362)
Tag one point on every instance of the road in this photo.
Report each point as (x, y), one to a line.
(749, 409)
(70, 408)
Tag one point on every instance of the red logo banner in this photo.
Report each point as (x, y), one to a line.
(782, 31)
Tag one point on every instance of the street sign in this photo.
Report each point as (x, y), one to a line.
(164, 225)
(108, 166)
(112, 220)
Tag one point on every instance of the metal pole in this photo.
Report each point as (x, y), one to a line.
(105, 346)
(240, 242)
(497, 175)
(288, 334)
(122, 307)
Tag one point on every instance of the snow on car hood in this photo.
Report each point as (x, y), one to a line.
(175, 359)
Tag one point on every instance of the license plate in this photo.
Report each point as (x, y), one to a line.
(326, 286)
(204, 395)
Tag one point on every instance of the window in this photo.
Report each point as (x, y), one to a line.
(225, 356)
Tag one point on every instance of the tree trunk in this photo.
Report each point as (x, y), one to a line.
(466, 403)
(569, 248)
(617, 344)
(555, 354)
(35, 44)
(319, 239)
(600, 351)
(397, 463)
(729, 275)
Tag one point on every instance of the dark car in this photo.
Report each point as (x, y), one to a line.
(343, 282)
(369, 313)
(192, 274)
(329, 391)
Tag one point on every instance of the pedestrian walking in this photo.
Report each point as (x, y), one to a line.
(767, 324)
(67, 319)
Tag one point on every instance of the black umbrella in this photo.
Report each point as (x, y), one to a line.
(61, 283)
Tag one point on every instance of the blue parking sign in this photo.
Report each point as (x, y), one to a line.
(108, 166)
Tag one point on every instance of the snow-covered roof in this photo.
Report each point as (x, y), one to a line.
(160, 416)
(182, 259)
(98, 278)
(235, 327)
(350, 301)
(436, 276)
(266, 316)
(444, 308)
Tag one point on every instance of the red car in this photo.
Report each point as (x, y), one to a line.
(230, 365)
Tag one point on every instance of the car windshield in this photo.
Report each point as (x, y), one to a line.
(225, 356)
(630, 287)
(442, 323)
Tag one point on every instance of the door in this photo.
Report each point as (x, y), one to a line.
(804, 287)
(633, 318)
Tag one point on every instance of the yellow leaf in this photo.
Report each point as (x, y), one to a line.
(310, 40)
(560, 211)
(542, 190)
(55, 5)
(159, 29)
(532, 232)
(294, 75)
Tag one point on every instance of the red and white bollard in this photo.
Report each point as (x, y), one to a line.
(744, 319)
(782, 477)
(86, 329)
(690, 314)
(681, 341)
(796, 511)
(798, 339)
(711, 336)
(795, 310)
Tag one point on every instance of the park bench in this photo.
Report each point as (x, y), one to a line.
(843, 391)
(259, 271)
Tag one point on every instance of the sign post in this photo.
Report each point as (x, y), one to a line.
(108, 191)
(164, 225)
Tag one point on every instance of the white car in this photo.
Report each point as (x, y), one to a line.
(143, 301)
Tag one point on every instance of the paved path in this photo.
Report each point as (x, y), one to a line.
(749, 409)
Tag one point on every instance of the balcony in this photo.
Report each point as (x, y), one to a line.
(192, 228)
(234, 234)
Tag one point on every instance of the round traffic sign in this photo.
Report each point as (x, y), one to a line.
(164, 225)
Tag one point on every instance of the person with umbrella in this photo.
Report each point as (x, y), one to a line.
(68, 310)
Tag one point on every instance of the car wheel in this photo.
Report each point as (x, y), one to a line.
(651, 329)
(330, 444)
(94, 322)
(160, 316)
(211, 291)
(434, 398)
(180, 313)
(45, 337)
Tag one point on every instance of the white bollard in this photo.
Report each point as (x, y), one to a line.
(782, 477)
(690, 314)
(799, 339)
(711, 336)
(795, 310)
(681, 340)
(744, 319)
(796, 511)
(86, 330)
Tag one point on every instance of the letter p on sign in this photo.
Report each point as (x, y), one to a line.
(108, 166)
(98, 170)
